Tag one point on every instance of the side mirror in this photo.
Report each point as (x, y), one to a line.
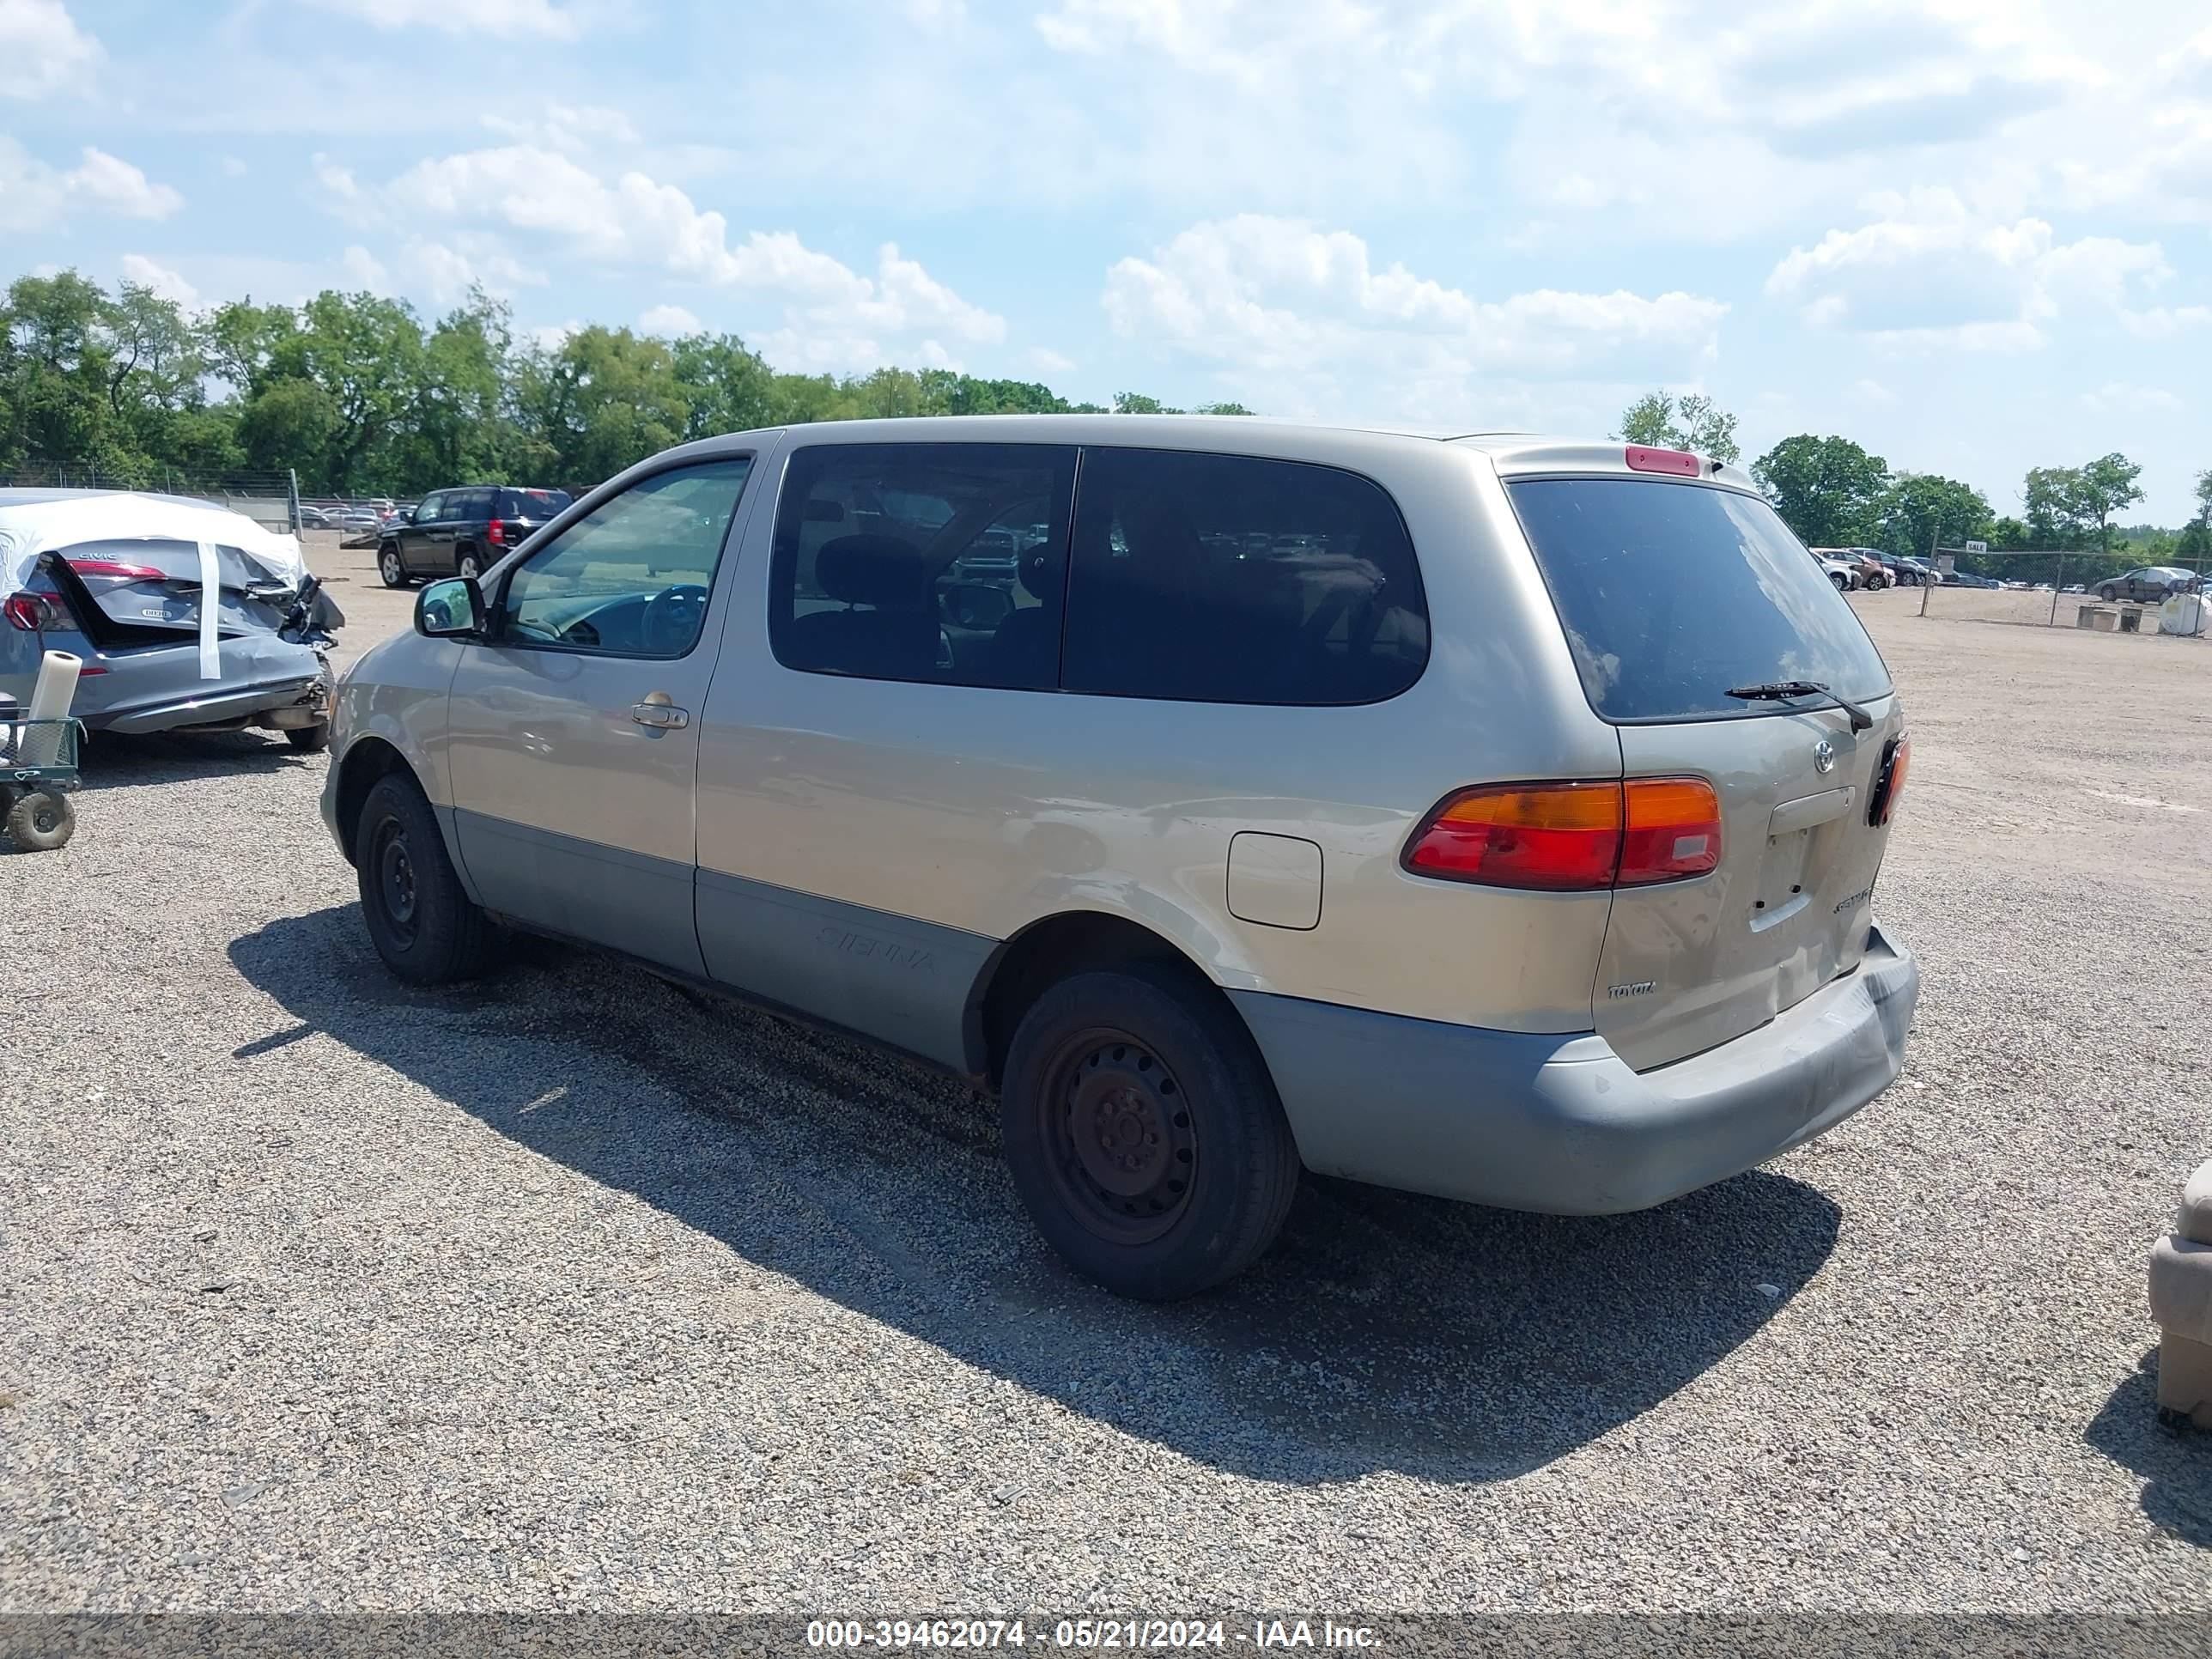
(450, 609)
(974, 604)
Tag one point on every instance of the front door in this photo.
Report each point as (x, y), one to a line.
(573, 729)
(417, 538)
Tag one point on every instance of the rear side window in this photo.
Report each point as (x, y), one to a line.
(944, 563)
(1672, 593)
(1229, 579)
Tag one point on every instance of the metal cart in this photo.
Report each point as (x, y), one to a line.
(38, 761)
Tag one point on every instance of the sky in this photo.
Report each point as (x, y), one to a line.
(1970, 234)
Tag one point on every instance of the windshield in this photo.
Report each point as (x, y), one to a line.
(1672, 594)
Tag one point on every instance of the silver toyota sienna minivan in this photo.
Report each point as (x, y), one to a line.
(1486, 816)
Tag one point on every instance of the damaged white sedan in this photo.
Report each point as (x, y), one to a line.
(116, 579)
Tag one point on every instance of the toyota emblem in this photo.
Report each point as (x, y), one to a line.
(1824, 756)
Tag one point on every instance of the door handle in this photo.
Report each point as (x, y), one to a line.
(659, 712)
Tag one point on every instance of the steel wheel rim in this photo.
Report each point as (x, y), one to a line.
(468, 569)
(397, 892)
(45, 817)
(1119, 1135)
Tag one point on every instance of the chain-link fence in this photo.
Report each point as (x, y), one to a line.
(270, 499)
(2046, 588)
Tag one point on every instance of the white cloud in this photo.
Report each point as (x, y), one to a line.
(41, 48)
(434, 272)
(832, 316)
(573, 129)
(1045, 361)
(1873, 394)
(363, 269)
(233, 167)
(138, 268)
(509, 18)
(1278, 296)
(672, 320)
(1933, 272)
(2118, 398)
(34, 195)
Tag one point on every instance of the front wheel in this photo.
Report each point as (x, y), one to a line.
(1877, 581)
(390, 566)
(2108, 594)
(420, 920)
(1843, 583)
(1144, 1132)
(41, 820)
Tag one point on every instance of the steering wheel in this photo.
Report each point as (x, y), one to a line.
(672, 619)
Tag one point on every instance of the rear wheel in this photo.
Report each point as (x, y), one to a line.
(466, 567)
(421, 921)
(2108, 594)
(1843, 582)
(1143, 1133)
(1877, 581)
(41, 820)
(390, 566)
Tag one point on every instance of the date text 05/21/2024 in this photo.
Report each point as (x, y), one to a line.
(1084, 1635)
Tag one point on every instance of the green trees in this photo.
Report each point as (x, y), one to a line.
(1828, 490)
(359, 395)
(2072, 506)
(1921, 510)
(1692, 422)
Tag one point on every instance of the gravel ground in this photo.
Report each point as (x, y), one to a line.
(574, 1291)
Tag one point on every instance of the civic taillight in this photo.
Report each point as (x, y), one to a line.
(1572, 837)
(38, 613)
(137, 573)
(1889, 781)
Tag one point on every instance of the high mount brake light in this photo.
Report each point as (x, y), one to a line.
(1572, 836)
(1678, 462)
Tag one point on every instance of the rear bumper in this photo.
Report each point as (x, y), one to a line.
(220, 707)
(1559, 1124)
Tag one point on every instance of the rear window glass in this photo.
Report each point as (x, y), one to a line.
(532, 503)
(1672, 593)
(1229, 579)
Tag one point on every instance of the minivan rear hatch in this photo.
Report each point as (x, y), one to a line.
(1673, 595)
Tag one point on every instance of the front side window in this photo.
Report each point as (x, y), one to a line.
(632, 577)
(942, 562)
(1231, 579)
(431, 505)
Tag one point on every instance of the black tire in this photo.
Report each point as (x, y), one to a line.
(1188, 1168)
(1843, 583)
(421, 921)
(41, 820)
(1877, 582)
(309, 739)
(466, 566)
(2108, 594)
(390, 566)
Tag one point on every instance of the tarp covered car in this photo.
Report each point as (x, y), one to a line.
(116, 579)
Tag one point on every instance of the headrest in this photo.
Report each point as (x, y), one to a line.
(879, 570)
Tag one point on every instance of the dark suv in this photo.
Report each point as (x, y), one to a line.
(462, 531)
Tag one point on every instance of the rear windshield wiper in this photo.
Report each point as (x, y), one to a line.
(1861, 721)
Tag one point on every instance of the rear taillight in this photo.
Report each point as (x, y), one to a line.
(1889, 782)
(1679, 463)
(495, 533)
(1674, 830)
(38, 613)
(135, 572)
(1572, 837)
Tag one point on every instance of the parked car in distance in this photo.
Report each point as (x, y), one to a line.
(1842, 575)
(2148, 584)
(462, 531)
(1866, 564)
(1162, 848)
(1904, 572)
(113, 578)
(1968, 579)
